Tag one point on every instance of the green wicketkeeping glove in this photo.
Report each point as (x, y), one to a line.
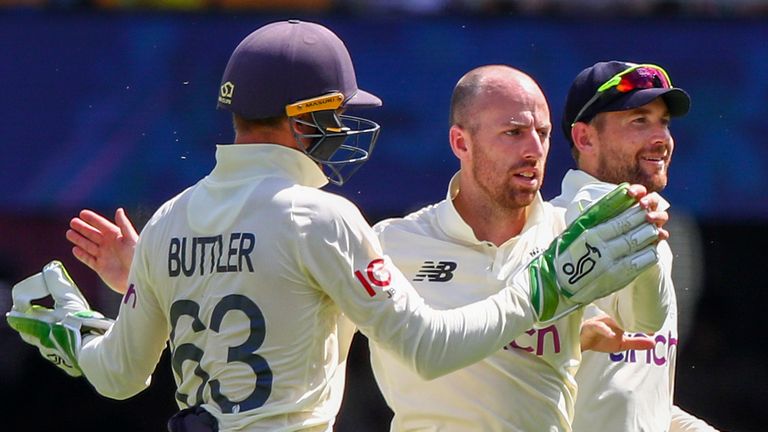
(600, 252)
(56, 332)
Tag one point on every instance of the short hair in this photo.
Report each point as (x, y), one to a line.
(240, 123)
(468, 87)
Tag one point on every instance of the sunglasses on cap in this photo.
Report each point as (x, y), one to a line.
(642, 76)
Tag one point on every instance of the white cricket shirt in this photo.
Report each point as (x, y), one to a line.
(253, 276)
(526, 386)
(630, 390)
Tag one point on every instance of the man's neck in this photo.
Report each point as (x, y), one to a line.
(491, 223)
(280, 134)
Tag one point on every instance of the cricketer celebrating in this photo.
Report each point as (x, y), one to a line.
(616, 118)
(256, 278)
(491, 224)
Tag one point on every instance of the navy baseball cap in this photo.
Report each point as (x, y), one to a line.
(285, 62)
(582, 103)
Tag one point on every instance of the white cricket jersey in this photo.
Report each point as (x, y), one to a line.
(630, 390)
(526, 386)
(253, 276)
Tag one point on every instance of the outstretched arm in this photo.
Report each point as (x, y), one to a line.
(107, 248)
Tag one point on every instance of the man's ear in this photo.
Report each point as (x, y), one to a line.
(302, 126)
(582, 137)
(458, 139)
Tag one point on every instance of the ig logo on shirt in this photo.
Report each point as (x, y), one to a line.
(377, 275)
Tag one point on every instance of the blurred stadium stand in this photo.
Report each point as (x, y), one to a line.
(112, 103)
(594, 8)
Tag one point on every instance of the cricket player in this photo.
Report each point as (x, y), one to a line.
(617, 117)
(492, 223)
(256, 278)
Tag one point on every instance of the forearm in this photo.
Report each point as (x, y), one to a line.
(482, 331)
(435, 343)
(110, 378)
(120, 363)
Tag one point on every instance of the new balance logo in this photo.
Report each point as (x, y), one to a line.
(441, 271)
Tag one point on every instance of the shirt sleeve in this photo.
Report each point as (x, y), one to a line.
(643, 305)
(685, 422)
(342, 255)
(120, 363)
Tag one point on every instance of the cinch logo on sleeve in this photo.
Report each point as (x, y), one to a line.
(441, 271)
(130, 295)
(538, 341)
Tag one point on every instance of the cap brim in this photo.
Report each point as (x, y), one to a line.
(362, 99)
(677, 100)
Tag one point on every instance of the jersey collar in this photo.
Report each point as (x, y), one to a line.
(575, 186)
(240, 162)
(454, 225)
(573, 181)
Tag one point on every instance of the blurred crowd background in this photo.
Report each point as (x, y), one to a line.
(610, 8)
(111, 103)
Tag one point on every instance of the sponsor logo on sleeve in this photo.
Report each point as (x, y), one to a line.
(538, 341)
(375, 276)
(130, 294)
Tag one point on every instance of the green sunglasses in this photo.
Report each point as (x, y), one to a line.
(642, 76)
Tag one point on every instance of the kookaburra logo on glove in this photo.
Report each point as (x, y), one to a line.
(584, 265)
(59, 360)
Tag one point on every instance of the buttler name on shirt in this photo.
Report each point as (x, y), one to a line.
(212, 254)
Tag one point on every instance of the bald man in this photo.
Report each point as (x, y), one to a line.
(457, 251)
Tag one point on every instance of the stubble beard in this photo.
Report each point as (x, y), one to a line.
(630, 170)
(502, 190)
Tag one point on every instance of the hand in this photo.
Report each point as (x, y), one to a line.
(57, 332)
(57, 343)
(656, 207)
(600, 252)
(603, 334)
(105, 247)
